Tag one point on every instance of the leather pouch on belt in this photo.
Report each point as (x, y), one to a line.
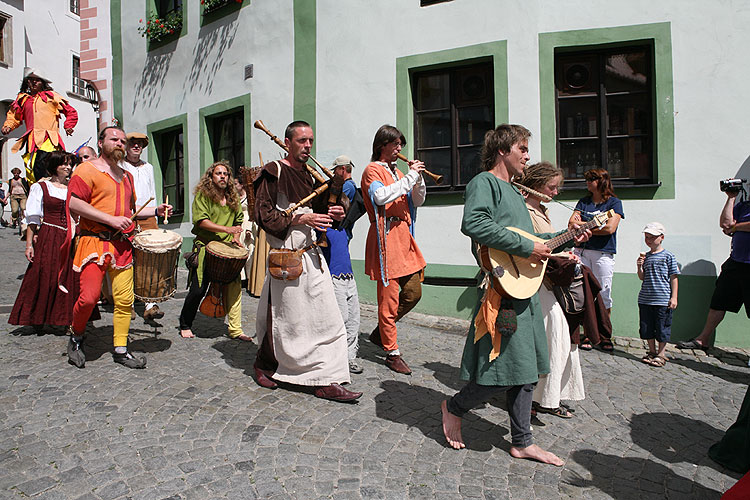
(285, 264)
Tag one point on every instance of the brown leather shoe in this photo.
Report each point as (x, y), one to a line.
(375, 337)
(397, 364)
(336, 392)
(263, 378)
(152, 314)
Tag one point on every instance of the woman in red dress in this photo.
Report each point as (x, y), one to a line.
(40, 301)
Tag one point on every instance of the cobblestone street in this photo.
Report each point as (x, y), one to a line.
(194, 424)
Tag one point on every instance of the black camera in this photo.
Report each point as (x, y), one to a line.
(731, 185)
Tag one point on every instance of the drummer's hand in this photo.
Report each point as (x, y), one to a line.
(119, 222)
(319, 222)
(235, 230)
(416, 165)
(29, 253)
(336, 212)
(163, 210)
(237, 239)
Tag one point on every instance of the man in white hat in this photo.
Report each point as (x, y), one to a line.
(39, 107)
(145, 189)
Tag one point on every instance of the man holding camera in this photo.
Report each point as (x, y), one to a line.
(733, 284)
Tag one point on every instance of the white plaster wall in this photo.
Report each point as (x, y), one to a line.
(206, 67)
(103, 46)
(358, 46)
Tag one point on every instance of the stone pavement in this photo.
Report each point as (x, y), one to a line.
(194, 425)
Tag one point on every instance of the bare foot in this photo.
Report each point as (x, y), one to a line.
(452, 427)
(534, 452)
(186, 334)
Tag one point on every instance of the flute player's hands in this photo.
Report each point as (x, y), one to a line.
(319, 222)
(336, 212)
(417, 165)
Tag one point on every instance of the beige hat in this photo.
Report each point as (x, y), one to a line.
(342, 161)
(139, 136)
(654, 229)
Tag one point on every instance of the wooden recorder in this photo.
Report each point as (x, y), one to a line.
(435, 177)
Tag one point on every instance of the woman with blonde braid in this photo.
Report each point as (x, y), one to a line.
(565, 380)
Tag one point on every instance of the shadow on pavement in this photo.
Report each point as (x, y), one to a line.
(419, 407)
(675, 438)
(237, 354)
(630, 478)
(737, 376)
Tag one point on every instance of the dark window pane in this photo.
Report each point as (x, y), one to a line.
(629, 158)
(473, 86)
(626, 72)
(576, 157)
(470, 160)
(434, 129)
(171, 162)
(577, 75)
(433, 92)
(438, 161)
(228, 139)
(473, 122)
(628, 114)
(579, 117)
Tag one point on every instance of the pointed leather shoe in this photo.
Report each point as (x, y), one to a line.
(397, 364)
(75, 353)
(263, 379)
(127, 359)
(336, 392)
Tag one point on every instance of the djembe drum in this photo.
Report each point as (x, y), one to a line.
(221, 265)
(155, 255)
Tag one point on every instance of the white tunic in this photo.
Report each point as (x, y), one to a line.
(309, 337)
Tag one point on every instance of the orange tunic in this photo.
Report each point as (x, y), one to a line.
(115, 198)
(41, 112)
(402, 255)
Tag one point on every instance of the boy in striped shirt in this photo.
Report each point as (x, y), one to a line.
(658, 296)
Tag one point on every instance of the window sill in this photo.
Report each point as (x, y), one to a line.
(77, 96)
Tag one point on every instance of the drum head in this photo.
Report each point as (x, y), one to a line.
(157, 240)
(227, 250)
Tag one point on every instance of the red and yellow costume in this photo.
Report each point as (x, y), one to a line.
(95, 256)
(391, 252)
(41, 113)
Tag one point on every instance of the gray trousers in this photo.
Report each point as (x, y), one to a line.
(347, 298)
(519, 406)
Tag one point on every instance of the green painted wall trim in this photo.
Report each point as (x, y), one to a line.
(151, 7)
(116, 37)
(154, 129)
(661, 35)
(216, 110)
(689, 317)
(305, 65)
(497, 51)
(225, 11)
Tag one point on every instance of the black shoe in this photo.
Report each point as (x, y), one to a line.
(129, 360)
(76, 357)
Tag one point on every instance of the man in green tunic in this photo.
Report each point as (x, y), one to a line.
(217, 216)
(509, 351)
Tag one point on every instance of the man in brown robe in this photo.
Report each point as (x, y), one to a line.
(301, 334)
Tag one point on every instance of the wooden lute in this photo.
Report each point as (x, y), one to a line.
(519, 278)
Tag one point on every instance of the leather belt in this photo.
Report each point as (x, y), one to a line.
(105, 235)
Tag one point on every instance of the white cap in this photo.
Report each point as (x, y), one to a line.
(654, 229)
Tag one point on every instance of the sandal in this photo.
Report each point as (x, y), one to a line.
(585, 345)
(560, 411)
(648, 357)
(606, 346)
(658, 361)
(691, 344)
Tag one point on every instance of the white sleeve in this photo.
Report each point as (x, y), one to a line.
(34, 202)
(386, 194)
(152, 186)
